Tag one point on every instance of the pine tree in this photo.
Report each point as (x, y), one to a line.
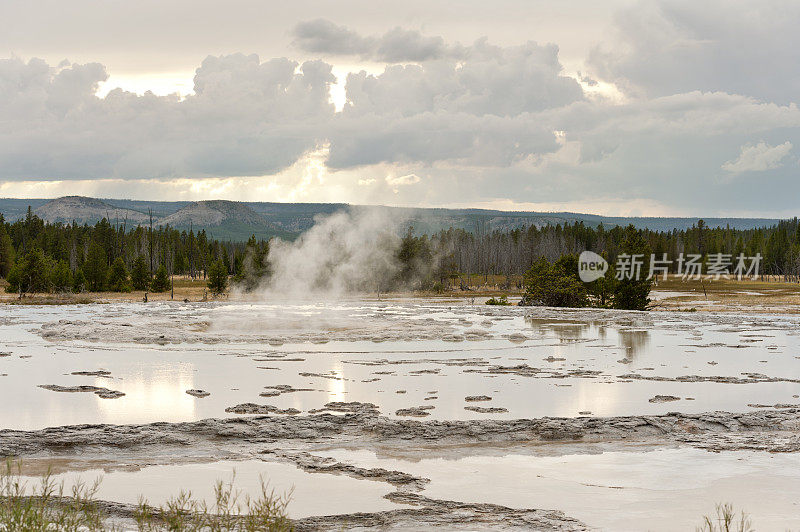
(255, 265)
(31, 273)
(95, 267)
(217, 277)
(161, 280)
(140, 275)
(630, 292)
(78, 281)
(61, 277)
(118, 277)
(6, 250)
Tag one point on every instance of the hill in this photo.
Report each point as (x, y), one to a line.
(86, 210)
(224, 219)
(231, 220)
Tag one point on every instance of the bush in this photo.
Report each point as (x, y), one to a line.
(501, 301)
(161, 281)
(554, 285)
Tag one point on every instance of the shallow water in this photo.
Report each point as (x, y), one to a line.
(446, 351)
(666, 489)
(310, 494)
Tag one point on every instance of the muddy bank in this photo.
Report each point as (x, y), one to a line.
(770, 430)
(450, 515)
(427, 514)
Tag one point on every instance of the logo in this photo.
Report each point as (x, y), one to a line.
(591, 266)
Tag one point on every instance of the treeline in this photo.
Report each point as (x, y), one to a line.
(511, 253)
(41, 257)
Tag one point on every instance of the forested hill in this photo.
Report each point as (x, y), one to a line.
(236, 221)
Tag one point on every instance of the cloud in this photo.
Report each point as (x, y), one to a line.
(494, 80)
(321, 36)
(665, 47)
(246, 117)
(403, 180)
(249, 117)
(480, 122)
(758, 157)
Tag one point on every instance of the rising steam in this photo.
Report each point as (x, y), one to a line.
(352, 251)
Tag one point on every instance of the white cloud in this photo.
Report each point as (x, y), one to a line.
(758, 157)
(403, 180)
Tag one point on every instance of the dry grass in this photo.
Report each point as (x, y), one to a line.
(768, 296)
(186, 288)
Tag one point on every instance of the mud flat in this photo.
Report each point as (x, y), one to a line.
(398, 454)
(427, 412)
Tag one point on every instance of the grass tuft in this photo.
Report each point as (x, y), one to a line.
(726, 520)
(49, 506)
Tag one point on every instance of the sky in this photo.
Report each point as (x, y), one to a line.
(650, 108)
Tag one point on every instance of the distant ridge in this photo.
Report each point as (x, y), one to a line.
(226, 220)
(233, 220)
(209, 213)
(82, 210)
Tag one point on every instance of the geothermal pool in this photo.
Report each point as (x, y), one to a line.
(285, 370)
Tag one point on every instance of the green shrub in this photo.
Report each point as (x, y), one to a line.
(554, 285)
(501, 301)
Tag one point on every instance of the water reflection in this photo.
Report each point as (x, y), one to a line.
(634, 342)
(564, 330)
(317, 494)
(337, 387)
(150, 395)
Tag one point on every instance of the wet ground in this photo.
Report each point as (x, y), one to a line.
(427, 390)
